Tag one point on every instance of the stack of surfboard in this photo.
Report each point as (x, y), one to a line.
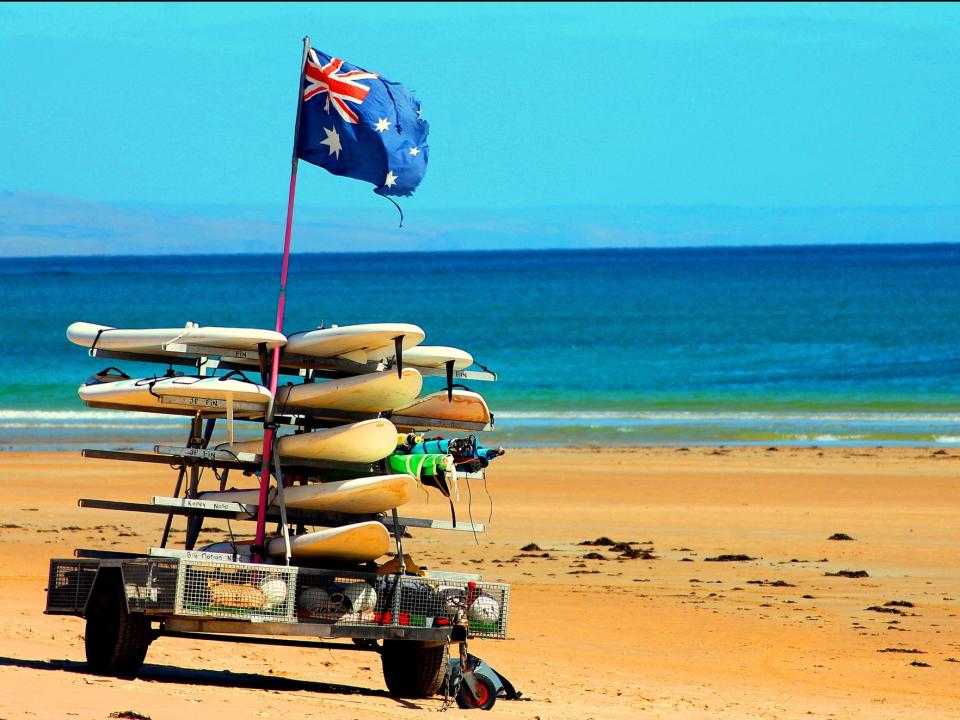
(234, 395)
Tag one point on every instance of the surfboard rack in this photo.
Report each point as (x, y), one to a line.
(185, 592)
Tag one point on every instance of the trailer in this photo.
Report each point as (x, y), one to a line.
(129, 600)
(409, 616)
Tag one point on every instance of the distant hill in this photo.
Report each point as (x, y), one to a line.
(39, 225)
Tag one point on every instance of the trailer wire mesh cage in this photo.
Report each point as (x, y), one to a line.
(242, 591)
(274, 593)
(150, 585)
(69, 585)
(363, 599)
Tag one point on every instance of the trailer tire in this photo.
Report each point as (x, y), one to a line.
(115, 640)
(413, 669)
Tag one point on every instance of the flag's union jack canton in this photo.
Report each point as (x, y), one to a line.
(358, 124)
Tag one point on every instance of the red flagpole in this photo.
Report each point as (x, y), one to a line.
(269, 428)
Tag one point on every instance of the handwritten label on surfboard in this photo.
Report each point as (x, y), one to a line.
(205, 350)
(203, 454)
(215, 403)
(204, 504)
(191, 554)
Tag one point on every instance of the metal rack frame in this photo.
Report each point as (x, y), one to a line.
(195, 455)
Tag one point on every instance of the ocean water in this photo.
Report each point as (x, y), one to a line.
(801, 345)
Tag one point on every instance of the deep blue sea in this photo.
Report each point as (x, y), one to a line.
(802, 345)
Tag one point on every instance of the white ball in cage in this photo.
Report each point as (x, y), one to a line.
(274, 592)
(484, 609)
(314, 600)
(361, 595)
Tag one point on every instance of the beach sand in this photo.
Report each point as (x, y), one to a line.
(674, 635)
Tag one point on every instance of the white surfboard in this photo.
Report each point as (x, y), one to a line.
(359, 542)
(362, 393)
(207, 394)
(153, 340)
(357, 495)
(360, 343)
(436, 356)
(467, 407)
(365, 441)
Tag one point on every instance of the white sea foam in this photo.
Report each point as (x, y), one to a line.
(695, 416)
(84, 419)
(824, 438)
(81, 415)
(946, 438)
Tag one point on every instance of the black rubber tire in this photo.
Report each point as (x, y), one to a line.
(115, 641)
(486, 691)
(413, 669)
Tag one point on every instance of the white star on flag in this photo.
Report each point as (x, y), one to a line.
(332, 142)
(391, 179)
(383, 124)
(414, 151)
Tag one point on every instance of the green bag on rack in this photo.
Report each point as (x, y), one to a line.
(418, 465)
(428, 469)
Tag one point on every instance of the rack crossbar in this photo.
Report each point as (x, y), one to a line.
(240, 511)
(132, 456)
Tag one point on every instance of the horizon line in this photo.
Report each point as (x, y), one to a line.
(657, 248)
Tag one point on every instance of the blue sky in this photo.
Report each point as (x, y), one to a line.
(531, 106)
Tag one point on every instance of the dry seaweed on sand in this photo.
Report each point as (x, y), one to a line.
(637, 554)
(848, 574)
(839, 536)
(730, 558)
(892, 610)
(601, 541)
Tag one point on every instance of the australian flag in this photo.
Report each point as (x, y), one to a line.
(358, 124)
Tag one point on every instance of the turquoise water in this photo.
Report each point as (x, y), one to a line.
(809, 345)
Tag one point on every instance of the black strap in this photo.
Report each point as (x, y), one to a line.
(97, 338)
(398, 354)
(483, 367)
(236, 373)
(262, 357)
(150, 383)
(106, 371)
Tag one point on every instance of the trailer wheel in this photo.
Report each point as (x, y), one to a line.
(413, 669)
(486, 694)
(116, 642)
